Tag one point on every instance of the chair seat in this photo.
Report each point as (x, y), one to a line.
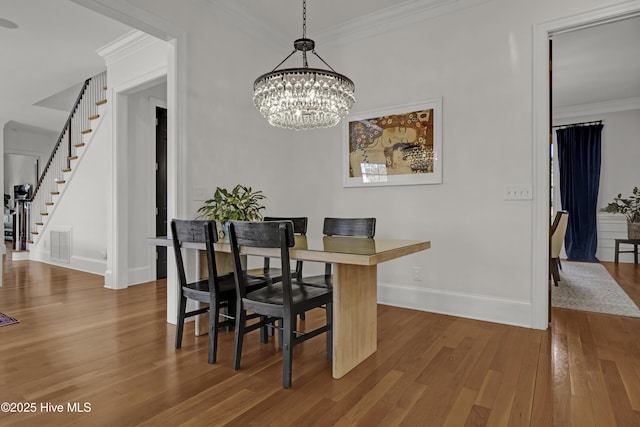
(302, 296)
(274, 274)
(199, 290)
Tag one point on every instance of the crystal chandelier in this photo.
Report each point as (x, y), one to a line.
(303, 98)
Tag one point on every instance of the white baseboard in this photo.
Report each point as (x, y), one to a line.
(20, 255)
(88, 265)
(497, 310)
(135, 276)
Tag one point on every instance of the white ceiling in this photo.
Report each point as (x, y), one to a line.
(597, 64)
(55, 49)
(52, 49)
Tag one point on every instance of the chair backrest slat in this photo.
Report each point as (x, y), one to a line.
(299, 223)
(357, 227)
(259, 234)
(351, 227)
(194, 231)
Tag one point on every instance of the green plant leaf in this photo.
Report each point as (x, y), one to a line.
(241, 203)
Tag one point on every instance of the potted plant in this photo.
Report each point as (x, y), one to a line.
(629, 207)
(241, 203)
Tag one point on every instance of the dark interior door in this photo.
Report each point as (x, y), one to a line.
(551, 160)
(161, 189)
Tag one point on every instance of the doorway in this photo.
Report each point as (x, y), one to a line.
(542, 123)
(161, 189)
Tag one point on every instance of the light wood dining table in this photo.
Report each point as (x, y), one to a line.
(355, 279)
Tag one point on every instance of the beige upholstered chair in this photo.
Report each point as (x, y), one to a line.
(558, 230)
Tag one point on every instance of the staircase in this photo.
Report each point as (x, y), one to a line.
(66, 153)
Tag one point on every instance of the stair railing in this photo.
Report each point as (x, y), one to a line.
(70, 141)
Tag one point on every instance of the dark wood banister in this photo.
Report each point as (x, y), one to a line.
(55, 149)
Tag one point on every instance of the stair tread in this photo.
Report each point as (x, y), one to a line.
(102, 101)
(86, 131)
(80, 144)
(94, 117)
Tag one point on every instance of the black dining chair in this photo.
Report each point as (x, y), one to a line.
(282, 300)
(217, 291)
(348, 227)
(274, 274)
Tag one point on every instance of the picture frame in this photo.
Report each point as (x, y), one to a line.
(400, 145)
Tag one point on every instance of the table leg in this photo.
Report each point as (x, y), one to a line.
(355, 316)
(617, 252)
(635, 253)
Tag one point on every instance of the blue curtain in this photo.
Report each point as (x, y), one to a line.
(579, 157)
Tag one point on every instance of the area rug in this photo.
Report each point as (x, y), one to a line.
(589, 287)
(7, 320)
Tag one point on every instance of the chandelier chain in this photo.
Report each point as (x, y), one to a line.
(304, 32)
(304, 19)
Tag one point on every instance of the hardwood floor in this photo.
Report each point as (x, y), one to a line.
(78, 342)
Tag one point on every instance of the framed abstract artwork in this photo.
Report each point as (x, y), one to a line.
(394, 146)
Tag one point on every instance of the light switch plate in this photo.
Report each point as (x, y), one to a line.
(518, 192)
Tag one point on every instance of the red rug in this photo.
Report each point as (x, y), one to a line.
(6, 320)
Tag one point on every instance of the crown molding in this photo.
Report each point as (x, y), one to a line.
(596, 108)
(130, 43)
(391, 19)
(123, 11)
(375, 23)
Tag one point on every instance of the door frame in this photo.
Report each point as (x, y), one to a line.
(176, 37)
(541, 101)
(153, 104)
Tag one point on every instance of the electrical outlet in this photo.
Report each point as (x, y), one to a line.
(416, 274)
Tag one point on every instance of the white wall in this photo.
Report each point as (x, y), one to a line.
(619, 173)
(82, 206)
(620, 154)
(141, 176)
(479, 60)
